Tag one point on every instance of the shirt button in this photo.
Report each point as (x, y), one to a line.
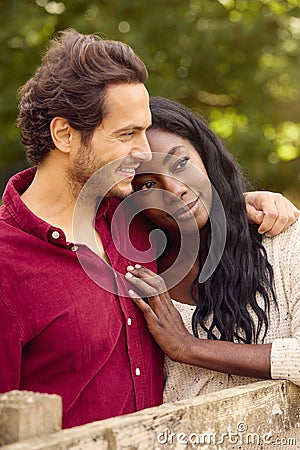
(74, 248)
(55, 234)
(137, 371)
(129, 321)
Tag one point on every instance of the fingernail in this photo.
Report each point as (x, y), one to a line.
(138, 266)
(128, 275)
(130, 268)
(132, 293)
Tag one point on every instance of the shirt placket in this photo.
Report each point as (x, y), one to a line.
(134, 320)
(133, 323)
(135, 351)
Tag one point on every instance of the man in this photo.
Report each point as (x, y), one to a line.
(62, 331)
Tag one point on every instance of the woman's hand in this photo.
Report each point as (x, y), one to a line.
(167, 328)
(272, 211)
(163, 319)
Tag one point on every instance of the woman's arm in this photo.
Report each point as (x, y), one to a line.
(285, 354)
(251, 360)
(272, 211)
(167, 328)
(279, 360)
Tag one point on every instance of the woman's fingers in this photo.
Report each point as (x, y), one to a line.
(165, 324)
(146, 286)
(150, 285)
(146, 309)
(150, 279)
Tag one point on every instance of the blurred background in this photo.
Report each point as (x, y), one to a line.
(236, 62)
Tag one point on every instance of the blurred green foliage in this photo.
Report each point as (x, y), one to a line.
(234, 61)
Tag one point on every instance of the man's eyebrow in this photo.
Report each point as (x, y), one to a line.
(171, 152)
(131, 126)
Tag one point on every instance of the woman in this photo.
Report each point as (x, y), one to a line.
(242, 323)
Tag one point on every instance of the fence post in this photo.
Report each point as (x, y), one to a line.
(25, 415)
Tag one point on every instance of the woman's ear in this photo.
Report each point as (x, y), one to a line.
(62, 134)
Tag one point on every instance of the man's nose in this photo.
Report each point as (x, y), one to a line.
(142, 151)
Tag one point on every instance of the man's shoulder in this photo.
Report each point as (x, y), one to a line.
(11, 233)
(5, 219)
(2, 212)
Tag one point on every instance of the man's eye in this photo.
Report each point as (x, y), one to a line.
(181, 163)
(127, 136)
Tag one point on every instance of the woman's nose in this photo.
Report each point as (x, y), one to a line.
(174, 190)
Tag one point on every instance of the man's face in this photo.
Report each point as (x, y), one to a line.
(119, 143)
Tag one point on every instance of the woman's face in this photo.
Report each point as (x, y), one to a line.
(173, 188)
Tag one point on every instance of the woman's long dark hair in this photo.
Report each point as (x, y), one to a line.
(227, 300)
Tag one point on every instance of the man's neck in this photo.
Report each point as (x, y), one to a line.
(53, 201)
(49, 198)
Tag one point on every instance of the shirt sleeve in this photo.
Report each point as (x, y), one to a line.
(10, 348)
(285, 353)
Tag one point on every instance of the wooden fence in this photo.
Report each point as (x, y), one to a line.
(262, 415)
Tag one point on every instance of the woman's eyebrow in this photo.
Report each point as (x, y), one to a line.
(171, 152)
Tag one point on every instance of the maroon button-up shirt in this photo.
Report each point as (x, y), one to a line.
(60, 330)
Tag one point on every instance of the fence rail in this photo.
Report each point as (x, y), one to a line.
(262, 415)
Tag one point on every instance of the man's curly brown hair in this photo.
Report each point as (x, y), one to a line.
(71, 83)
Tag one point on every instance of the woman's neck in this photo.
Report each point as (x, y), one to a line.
(173, 270)
(183, 272)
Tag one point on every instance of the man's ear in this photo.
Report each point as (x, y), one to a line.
(62, 134)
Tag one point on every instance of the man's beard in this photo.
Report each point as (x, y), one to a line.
(95, 174)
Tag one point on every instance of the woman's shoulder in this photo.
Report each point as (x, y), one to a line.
(292, 232)
(186, 311)
(287, 242)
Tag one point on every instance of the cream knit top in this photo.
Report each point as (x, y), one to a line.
(184, 381)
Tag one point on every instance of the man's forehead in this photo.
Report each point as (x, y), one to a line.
(120, 93)
(127, 105)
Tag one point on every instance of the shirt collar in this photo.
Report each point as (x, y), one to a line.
(28, 221)
(24, 218)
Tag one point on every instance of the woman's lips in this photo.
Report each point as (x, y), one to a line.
(187, 211)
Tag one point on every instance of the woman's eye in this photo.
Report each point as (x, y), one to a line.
(181, 163)
(147, 185)
(143, 187)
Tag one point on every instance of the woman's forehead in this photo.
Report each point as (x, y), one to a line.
(162, 141)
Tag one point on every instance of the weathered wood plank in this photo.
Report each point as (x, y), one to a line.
(24, 415)
(248, 417)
